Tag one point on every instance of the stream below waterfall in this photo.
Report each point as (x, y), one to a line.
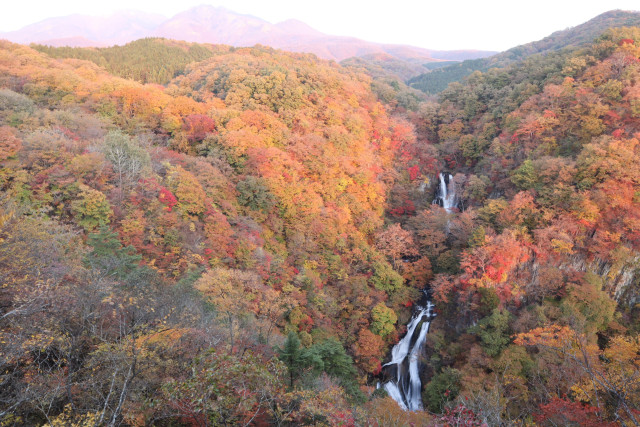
(405, 386)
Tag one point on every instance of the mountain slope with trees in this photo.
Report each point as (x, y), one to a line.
(236, 204)
(437, 80)
(536, 281)
(145, 60)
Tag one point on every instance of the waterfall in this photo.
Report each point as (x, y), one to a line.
(405, 387)
(446, 196)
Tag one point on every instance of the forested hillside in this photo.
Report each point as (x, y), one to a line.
(437, 80)
(188, 225)
(150, 60)
(244, 244)
(537, 279)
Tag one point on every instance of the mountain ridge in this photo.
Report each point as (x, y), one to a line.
(216, 25)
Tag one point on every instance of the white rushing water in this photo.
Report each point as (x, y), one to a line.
(405, 387)
(446, 196)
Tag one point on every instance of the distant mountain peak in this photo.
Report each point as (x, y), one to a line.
(206, 24)
(118, 28)
(295, 26)
(208, 10)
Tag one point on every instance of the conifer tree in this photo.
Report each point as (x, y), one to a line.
(109, 256)
(297, 358)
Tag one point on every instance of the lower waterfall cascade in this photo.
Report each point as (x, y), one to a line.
(406, 386)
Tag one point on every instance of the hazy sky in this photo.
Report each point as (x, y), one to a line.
(441, 24)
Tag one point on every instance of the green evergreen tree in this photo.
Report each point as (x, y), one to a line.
(110, 257)
(337, 363)
(525, 177)
(297, 358)
(494, 331)
(442, 388)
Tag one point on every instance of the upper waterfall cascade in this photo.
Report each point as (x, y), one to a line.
(446, 196)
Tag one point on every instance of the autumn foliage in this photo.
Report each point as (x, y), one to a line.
(159, 242)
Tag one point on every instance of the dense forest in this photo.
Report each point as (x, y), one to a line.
(145, 60)
(239, 236)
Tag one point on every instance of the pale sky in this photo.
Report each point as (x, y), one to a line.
(439, 24)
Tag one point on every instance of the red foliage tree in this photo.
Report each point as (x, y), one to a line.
(566, 412)
(197, 126)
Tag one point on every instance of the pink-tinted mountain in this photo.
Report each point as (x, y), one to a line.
(208, 24)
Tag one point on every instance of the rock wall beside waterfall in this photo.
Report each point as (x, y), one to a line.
(620, 281)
